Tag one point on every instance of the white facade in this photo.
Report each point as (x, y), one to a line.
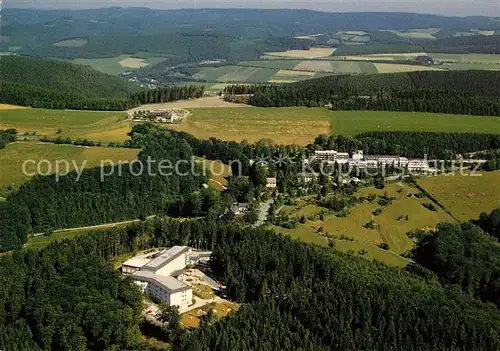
(271, 183)
(155, 276)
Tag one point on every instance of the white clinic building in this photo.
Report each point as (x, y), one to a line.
(154, 274)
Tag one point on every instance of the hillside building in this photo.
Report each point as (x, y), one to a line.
(155, 274)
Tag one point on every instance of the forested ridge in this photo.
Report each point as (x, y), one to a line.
(295, 296)
(469, 92)
(61, 85)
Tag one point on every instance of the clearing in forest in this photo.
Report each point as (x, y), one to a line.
(15, 154)
(311, 53)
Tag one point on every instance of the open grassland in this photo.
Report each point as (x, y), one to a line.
(15, 154)
(397, 68)
(221, 309)
(353, 122)
(93, 125)
(300, 125)
(296, 125)
(312, 53)
(465, 196)
(349, 233)
(417, 33)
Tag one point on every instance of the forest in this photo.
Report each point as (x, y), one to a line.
(471, 92)
(465, 257)
(61, 85)
(102, 195)
(296, 296)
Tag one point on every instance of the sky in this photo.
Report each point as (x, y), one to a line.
(442, 7)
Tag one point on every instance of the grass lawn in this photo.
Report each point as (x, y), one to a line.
(350, 235)
(465, 196)
(353, 122)
(14, 155)
(296, 125)
(93, 125)
(40, 242)
(218, 172)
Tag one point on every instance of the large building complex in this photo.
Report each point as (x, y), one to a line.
(359, 160)
(155, 274)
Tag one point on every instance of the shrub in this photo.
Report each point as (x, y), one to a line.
(384, 246)
(430, 206)
(377, 212)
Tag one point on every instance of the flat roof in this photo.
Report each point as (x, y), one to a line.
(165, 258)
(136, 262)
(169, 283)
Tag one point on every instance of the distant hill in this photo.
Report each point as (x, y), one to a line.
(62, 76)
(231, 34)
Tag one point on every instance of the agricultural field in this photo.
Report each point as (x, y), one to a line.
(93, 125)
(234, 74)
(349, 233)
(71, 43)
(465, 196)
(353, 122)
(296, 125)
(427, 33)
(15, 154)
(398, 68)
(120, 64)
(311, 53)
(468, 61)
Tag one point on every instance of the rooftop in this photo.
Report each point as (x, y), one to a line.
(165, 258)
(170, 284)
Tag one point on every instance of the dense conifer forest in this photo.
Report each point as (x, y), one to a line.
(295, 296)
(471, 92)
(60, 85)
(466, 257)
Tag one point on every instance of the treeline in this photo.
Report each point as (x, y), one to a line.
(450, 92)
(465, 257)
(167, 94)
(7, 136)
(33, 96)
(305, 297)
(103, 195)
(435, 145)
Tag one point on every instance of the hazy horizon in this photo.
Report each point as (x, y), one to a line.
(438, 7)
